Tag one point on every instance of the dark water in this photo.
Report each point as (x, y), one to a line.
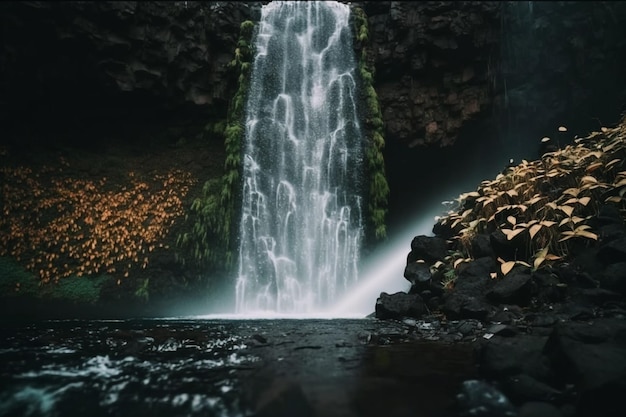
(215, 367)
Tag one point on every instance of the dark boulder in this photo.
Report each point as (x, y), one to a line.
(399, 305)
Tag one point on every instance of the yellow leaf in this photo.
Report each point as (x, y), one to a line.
(588, 179)
(512, 220)
(571, 201)
(458, 261)
(493, 275)
(566, 209)
(612, 162)
(534, 229)
(587, 234)
(538, 262)
(620, 183)
(614, 199)
(584, 201)
(534, 200)
(597, 154)
(510, 234)
(594, 166)
(572, 191)
(506, 267)
(562, 129)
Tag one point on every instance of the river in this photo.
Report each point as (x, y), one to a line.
(228, 367)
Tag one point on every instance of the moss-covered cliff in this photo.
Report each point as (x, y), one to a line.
(116, 132)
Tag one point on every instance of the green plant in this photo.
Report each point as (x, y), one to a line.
(546, 204)
(208, 240)
(378, 192)
(142, 291)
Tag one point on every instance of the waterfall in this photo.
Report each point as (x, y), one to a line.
(301, 221)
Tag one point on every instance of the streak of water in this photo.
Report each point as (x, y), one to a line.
(301, 225)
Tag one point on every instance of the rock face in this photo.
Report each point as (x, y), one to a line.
(439, 65)
(98, 62)
(435, 65)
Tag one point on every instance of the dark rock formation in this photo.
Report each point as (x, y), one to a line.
(101, 63)
(398, 305)
(439, 65)
(434, 64)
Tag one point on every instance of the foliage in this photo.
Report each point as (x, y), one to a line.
(379, 188)
(142, 291)
(57, 225)
(546, 205)
(15, 281)
(208, 242)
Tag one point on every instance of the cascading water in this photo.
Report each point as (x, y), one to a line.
(301, 225)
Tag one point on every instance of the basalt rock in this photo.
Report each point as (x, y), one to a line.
(427, 85)
(86, 63)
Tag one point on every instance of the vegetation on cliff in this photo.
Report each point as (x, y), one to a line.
(77, 220)
(540, 211)
(378, 190)
(208, 241)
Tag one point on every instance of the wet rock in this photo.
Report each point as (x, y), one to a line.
(458, 305)
(418, 274)
(480, 246)
(563, 343)
(506, 356)
(480, 399)
(572, 275)
(600, 296)
(522, 388)
(467, 299)
(399, 305)
(614, 278)
(549, 288)
(613, 252)
(541, 320)
(507, 315)
(512, 289)
(475, 276)
(502, 330)
(428, 248)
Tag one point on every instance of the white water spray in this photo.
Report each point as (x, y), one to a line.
(301, 225)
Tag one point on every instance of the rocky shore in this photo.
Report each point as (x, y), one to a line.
(539, 288)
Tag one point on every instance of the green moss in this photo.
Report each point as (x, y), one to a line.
(363, 34)
(208, 240)
(85, 289)
(246, 28)
(215, 128)
(15, 281)
(142, 291)
(374, 127)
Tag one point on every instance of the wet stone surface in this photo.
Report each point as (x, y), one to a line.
(202, 367)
